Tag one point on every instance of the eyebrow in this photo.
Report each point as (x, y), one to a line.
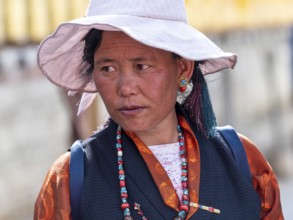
(136, 59)
(139, 59)
(103, 60)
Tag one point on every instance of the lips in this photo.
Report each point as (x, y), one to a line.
(131, 110)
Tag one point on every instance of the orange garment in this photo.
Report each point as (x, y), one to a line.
(53, 200)
(161, 178)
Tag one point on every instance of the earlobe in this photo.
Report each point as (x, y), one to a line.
(182, 83)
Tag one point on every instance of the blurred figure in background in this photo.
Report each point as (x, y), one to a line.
(161, 141)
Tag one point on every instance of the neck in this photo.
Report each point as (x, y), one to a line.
(164, 133)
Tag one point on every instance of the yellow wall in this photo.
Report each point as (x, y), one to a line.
(222, 15)
(23, 21)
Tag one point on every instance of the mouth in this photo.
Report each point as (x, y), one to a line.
(131, 110)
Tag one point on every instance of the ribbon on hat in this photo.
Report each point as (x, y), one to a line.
(85, 101)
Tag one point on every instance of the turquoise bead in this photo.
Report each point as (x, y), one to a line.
(185, 191)
(184, 178)
(185, 202)
(121, 177)
(182, 214)
(123, 190)
(126, 212)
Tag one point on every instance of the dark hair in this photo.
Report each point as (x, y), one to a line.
(91, 42)
(197, 104)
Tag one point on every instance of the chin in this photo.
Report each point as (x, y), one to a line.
(134, 127)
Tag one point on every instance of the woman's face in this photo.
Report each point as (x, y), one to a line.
(137, 83)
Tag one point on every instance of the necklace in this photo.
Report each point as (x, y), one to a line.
(125, 206)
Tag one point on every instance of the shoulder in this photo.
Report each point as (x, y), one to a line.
(58, 174)
(264, 181)
(53, 199)
(61, 165)
(257, 161)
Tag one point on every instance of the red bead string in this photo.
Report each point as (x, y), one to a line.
(184, 206)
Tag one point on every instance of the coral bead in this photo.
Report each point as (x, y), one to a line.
(184, 207)
(184, 184)
(122, 183)
(124, 206)
(124, 195)
(182, 88)
(185, 197)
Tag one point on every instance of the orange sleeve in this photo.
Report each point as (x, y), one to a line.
(53, 200)
(264, 181)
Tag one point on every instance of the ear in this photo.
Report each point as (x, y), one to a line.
(186, 68)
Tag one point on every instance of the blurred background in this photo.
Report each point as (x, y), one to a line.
(38, 121)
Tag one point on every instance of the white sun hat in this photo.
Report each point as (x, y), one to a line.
(157, 23)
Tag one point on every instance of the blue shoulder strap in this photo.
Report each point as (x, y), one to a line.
(237, 148)
(76, 176)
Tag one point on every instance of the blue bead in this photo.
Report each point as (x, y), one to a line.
(123, 190)
(182, 214)
(126, 212)
(120, 167)
(118, 145)
(185, 202)
(124, 200)
(185, 191)
(121, 177)
(184, 178)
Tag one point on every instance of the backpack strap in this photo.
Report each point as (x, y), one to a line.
(237, 148)
(76, 176)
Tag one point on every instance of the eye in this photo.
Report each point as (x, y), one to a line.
(141, 66)
(108, 69)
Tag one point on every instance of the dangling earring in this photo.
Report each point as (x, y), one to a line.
(182, 83)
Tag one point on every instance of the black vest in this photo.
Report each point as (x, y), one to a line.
(222, 185)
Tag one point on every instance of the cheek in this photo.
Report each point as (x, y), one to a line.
(164, 87)
(101, 83)
(97, 79)
(104, 88)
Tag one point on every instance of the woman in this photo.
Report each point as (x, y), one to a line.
(155, 158)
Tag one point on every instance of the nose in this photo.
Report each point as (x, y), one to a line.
(127, 85)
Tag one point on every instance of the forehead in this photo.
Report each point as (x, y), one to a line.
(113, 41)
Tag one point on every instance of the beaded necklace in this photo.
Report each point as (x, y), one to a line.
(184, 206)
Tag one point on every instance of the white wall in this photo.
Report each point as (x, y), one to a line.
(256, 97)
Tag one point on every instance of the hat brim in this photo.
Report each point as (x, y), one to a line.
(60, 54)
